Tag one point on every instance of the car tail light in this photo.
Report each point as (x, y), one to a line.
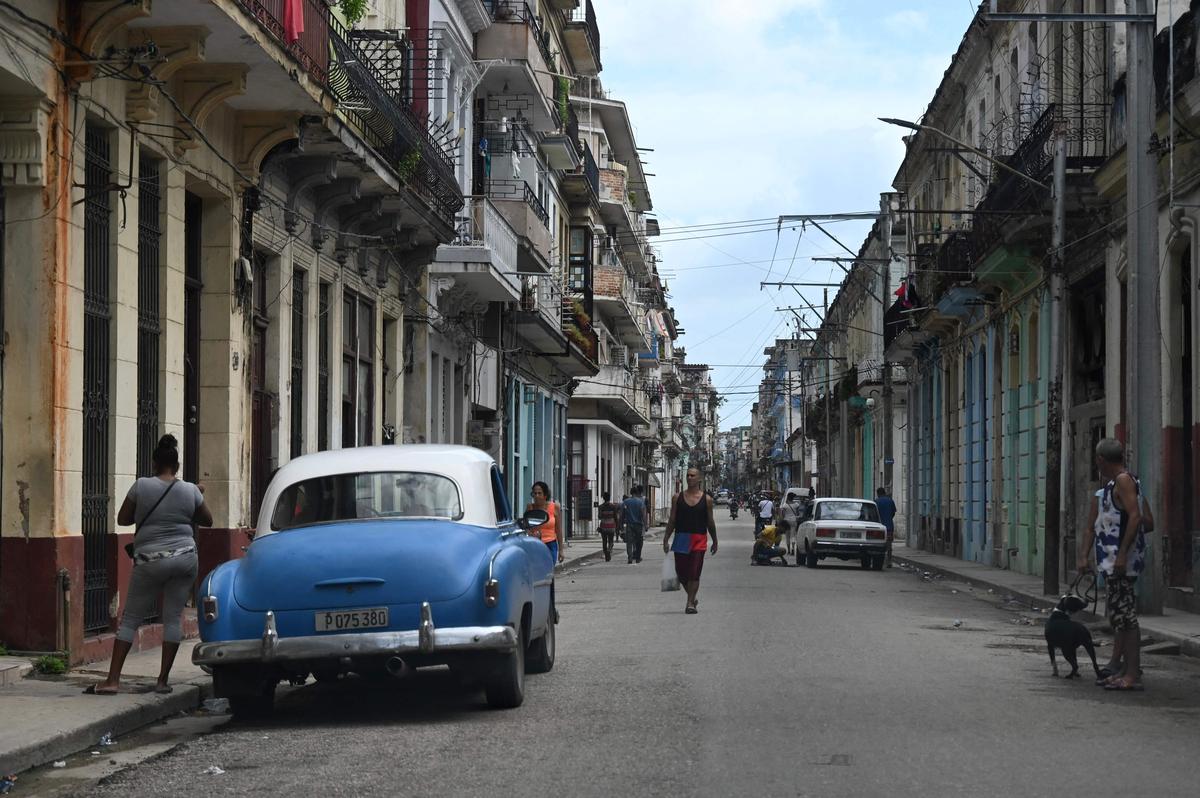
(826, 532)
(208, 605)
(874, 534)
(491, 593)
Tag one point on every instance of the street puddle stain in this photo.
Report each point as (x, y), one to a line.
(840, 760)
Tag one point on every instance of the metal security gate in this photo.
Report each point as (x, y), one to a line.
(323, 369)
(149, 324)
(97, 316)
(299, 300)
(261, 412)
(193, 209)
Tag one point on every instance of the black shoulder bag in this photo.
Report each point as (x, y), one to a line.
(138, 527)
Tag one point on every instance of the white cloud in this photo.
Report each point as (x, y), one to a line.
(907, 21)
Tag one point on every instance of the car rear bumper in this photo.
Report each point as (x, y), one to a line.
(848, 548)
(426, 640)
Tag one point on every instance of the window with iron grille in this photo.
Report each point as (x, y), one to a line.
(358, 385)
(97, 316)
(149, 320)
(299, 300)
(323, 368)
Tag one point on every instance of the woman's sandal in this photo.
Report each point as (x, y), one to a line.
(1122, 686)
(93, 689)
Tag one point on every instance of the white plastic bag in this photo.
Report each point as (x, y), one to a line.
(670, 580)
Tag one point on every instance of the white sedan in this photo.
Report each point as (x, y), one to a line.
(848, 529)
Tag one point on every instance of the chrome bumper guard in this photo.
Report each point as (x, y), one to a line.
(426, 639)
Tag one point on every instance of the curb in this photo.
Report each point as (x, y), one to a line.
(120, 724)
(1188, 646)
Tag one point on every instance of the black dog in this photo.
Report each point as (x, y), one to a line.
(1067, 636)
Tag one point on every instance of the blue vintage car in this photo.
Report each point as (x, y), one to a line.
(376, 561)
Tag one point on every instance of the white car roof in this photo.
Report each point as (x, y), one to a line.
(466, 466)
(847, 499)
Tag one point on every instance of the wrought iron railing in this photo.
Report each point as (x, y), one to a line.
(375, 100)
(535, 204)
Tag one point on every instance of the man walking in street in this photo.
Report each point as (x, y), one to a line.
(636, 519)
(887, 517)
(766, 511)
(607, 514)
(1116, 530)
(691, 522)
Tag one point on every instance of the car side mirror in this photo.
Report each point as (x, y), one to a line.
(533, 518)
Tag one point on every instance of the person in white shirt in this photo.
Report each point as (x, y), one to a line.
(766, 511)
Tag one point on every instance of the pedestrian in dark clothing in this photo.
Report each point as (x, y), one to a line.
(887, 516)
(691, 523)
(607, 514)
(621, 518)
(635, 521)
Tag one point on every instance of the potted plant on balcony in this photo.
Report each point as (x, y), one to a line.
(581, 316)
(352, 10)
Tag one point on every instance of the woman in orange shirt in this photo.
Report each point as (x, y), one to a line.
(551, 532)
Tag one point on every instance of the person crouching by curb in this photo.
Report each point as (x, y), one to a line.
(691, 523)
(766, 545)
(1119, 520)
(163, 509)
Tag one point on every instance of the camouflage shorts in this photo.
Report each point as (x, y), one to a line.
(1121, 602)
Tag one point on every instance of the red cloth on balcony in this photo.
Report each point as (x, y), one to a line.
(293, 19)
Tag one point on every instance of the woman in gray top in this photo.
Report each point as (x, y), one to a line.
(163, 508)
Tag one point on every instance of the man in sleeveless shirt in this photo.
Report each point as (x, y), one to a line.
(691, 523)
(1117, 523)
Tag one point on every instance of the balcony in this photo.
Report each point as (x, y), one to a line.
(561, 148)
(618, 390)
(582, 37)
(526, 215)
(582, 185)
(483, 258)
(519, 44)
(614, 297)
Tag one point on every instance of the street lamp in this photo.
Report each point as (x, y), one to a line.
(914, 126)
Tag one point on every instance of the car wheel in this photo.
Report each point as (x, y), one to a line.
(253, 705)
(505, 687)
(810, 559)
(877, 562)
(865, 562)
(540, 657)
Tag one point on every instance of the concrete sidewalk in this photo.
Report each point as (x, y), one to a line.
(1173, 626)
(49, 718)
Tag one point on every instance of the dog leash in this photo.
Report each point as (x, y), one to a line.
(1091, 595)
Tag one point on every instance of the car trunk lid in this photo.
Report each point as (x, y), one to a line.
(359, 564)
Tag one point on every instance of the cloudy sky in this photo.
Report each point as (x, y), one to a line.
(760, 108)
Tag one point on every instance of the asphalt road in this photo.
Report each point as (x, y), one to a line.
(789, 682)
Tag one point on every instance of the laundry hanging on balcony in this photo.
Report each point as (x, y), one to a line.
(485, 154)
(908, 293)
(516, 164)
(293, 20)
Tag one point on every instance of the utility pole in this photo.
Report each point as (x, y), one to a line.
(888, 423)
(1054, 398)
(791, 356)
(828, 402)
(1144, 382)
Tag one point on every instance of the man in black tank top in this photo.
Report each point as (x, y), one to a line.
(691, 523)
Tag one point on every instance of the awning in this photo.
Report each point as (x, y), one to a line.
(653, 481)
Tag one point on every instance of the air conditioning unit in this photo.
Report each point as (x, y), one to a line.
(619, 355)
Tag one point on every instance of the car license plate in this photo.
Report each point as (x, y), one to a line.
(350, 620)
(851, 534)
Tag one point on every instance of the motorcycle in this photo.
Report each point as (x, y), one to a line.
(733, 508)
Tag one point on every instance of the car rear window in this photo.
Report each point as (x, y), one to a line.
(847, 511)
(377, 494)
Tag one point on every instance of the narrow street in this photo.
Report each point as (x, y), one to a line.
(790, 681)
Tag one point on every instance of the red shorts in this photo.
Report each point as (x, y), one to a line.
(689, 566)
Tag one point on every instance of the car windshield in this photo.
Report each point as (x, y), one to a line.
(847, 511)
(349, 497)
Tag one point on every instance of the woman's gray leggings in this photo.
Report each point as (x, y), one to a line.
(173, 577)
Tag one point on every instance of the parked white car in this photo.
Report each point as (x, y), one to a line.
(848, 529)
